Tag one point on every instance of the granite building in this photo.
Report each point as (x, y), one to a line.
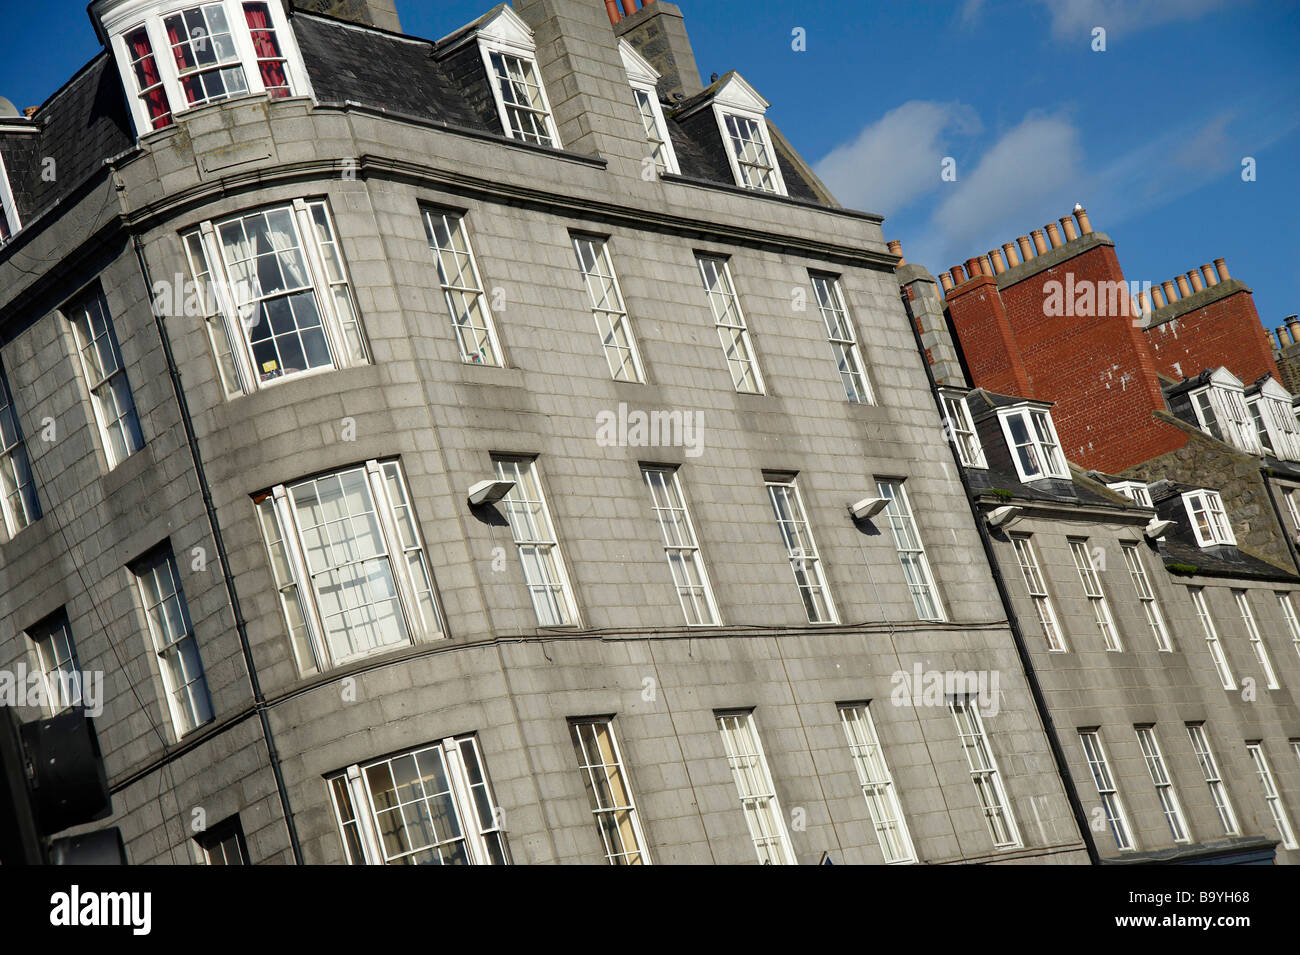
(441, 450)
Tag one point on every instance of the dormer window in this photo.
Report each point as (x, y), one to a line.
(9, 221)
(643, 78)
(180, 56)
(1209, 522)
(957, 420)
(1221, 412)
(1275, 422)
(1135, 491)
(741, 116)
(1034, 446)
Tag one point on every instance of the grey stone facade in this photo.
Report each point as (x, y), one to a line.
(496, 673)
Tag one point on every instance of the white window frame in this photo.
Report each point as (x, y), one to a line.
(1081, 551)
(546, 576)
(755, 787)
(56, 657)
(8, 207)
(877, 782)
(605, 778)
(1047, 453)
(1292, 497)
(115, 413)
(1036, 586)
(910, 546)
(463, 294)
(170, 642)
(1094, 756)
(1287, 606)
(238, 308)
(729, 319)
(1135, 491)
(1242, 597)
(961, 425)
(1147, 597)
(990, 792)
(842, 337)
(681, 550)
(482, 834)
(801, 548)
(608, 307)
(1170, 804)
(1271, 409)
(126, 17)
(224, 843)
(1221, 406)
(507, 35)
(404, 550)
(1271, 796)
(1217, 529)
(1212, 641)
(20, 501)
(1200, 740)
(643, 78)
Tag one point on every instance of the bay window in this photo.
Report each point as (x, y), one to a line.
(429, 806)
(349, 564)
(276, 293)
(176, 56)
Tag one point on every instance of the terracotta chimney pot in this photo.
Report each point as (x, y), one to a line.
(1040, 244)
(1222, 268)
(1071, 233)
(946, 281)
(1013, 257)
(958, 276)
(1210, 278)
(1026, 250)
(896, 248)
(1080, 213)
(1184, 289)
(1197, 284)
(995, 256)
(1054, 235)
(1158, 296)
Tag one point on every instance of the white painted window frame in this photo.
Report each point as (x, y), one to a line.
(1232, 418)
(1036, 586)
(7, 205)
(1242, 598)
(1135, 491)
(1272, 797)
(1094, 755)
(1051, 459)
(910, 546)
(801, 549)
(1200, 740)
(990, 791)
(1218, 529)
(517, 468)
(477, 832)
(236, 330)
(877, 782)
(754, 786)
(1287, 605)
(313, 655)
(590, 765)
(688, 550)
(56, 657)
(1212, 641)
(720, 113)
(1170, 805)
(169, 647)
(841, 335)
(1081, 551)
(643, 79)
(127, 17)
(733, 328)
(125, 419)
(450, 291)
(609, 311)
(514, 38)
(1146, 597)
(957, 416)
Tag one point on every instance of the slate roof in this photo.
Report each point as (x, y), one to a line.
(81, 125)
(87, 120)
(1179, 544)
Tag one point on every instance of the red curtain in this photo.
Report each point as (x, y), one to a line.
(270, 62)
(146, 74)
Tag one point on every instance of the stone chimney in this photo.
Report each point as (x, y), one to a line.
(373, 13)
(658, 32)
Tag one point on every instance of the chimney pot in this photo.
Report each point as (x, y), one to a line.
(1013, 257)
(896, 248)
(1040, 244)
(1211, 279)
(1222, 268)
(1197, 284)
(1080, 213)
(973, 268)
(611, 7)
(1184, 289)
(1054, 235)
(958, 276)
(1067, 223)
(1293, 327)
(946, 281)
(1283, 336)
(1158, 296)
(1026, 250)
(995, 256)
(1168, 286)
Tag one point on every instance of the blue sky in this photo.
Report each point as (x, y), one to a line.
(1149, 134)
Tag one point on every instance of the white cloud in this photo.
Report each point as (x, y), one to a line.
(1077, 17)
(1033, 167)
(897, 158)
